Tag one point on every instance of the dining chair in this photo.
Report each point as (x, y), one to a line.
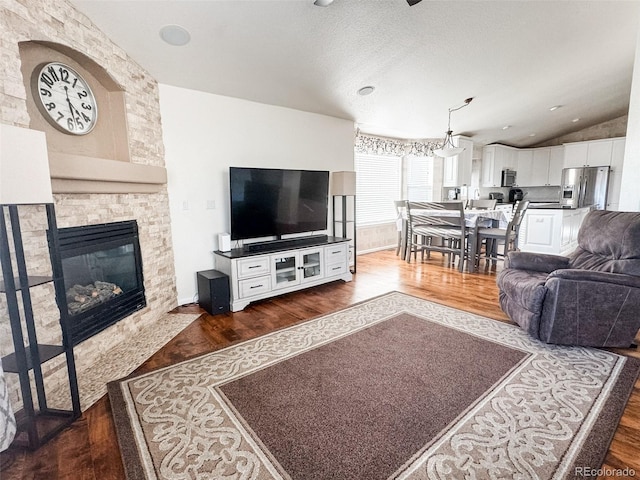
(401, 206)
(438, 227)
(493, 238)
(482, 204)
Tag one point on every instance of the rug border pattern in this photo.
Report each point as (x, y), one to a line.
(244, 358)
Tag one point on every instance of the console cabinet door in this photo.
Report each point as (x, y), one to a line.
(284, 270)
(311, 264)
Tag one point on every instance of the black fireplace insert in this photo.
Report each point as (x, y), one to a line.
(102, 271)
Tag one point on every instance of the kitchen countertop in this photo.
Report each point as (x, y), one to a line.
(553, 206)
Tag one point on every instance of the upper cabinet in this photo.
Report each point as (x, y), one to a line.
(496, 158)
(524, 167)
(457, 170)
(538, 167)
(542, 166)
(594, 153)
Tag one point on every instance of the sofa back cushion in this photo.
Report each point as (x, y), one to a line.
(610, 242)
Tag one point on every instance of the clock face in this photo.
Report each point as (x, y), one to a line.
(65, 99)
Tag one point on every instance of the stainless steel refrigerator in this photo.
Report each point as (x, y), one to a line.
(584, 187)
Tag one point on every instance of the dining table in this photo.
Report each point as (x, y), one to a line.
(473, 219)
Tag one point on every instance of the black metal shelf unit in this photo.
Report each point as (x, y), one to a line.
(35, 426)
(344, 223)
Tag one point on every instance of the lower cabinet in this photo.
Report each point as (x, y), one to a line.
(553, 231)
(258, 276)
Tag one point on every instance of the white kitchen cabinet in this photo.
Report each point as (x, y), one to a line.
(594, 153)
(575, 154)
(552, 231)
(457, 170)
(545, 168)
(496, 158)
(540, 167)
(255, 276)
(525, 167)
(556, 158)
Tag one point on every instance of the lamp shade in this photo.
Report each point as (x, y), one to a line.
(24, 166)
(343, 183)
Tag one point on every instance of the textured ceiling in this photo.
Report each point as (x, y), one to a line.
(516, 58)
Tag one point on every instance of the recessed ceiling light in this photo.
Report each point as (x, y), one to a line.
(555, 107)
(576, 120)
(506, 127)
(532, 134)
(322, 3)
(175, 35)
(368, 90)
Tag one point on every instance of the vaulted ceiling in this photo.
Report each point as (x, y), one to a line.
(516, 58)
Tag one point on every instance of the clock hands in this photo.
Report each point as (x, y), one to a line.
(72, 107)
(66, 91)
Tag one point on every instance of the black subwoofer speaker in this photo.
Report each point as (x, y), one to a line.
(213, 291)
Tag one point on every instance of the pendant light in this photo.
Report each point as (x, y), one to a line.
(448, 149)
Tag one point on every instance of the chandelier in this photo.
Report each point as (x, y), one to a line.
(448, 149)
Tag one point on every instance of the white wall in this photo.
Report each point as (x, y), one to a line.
(204, 135)
(629, 191)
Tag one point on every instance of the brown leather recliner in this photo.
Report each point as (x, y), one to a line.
(591, 297)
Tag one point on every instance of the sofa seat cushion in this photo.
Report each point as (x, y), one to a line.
(525, 288)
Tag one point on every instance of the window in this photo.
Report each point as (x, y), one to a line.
(377, 187)
(419, 178)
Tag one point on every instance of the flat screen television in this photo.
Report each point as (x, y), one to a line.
(269, 202)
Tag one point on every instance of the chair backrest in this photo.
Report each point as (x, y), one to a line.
(609, 241)
(482, 204)
(436, 216)
(401, 206)
(513, 228)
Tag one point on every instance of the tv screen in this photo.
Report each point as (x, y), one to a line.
(269, 202)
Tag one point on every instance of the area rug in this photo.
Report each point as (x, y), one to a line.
(392, 388)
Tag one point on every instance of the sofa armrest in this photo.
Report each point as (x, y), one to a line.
(596, 276)
(537, 262)
(590, 308)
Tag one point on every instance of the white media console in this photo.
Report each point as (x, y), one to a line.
(273, 268)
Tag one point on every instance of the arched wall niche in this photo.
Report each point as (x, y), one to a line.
(100, 161)
(109, 138)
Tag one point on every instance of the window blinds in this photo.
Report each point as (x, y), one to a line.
(378, 180)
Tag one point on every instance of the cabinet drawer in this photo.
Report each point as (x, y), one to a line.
(336, 254)
(335, 269)
(250, 267)
(254, 286)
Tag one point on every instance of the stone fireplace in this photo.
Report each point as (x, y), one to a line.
(115, 176)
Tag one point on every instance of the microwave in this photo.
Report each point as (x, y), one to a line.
(508, 178)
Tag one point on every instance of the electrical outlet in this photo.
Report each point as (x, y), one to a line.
(211, 204)
(185, 205)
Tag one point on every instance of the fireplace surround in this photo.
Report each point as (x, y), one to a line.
(103, 279)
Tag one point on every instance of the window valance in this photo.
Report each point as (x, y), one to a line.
(373, 145)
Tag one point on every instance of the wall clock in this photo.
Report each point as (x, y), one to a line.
(65, 99)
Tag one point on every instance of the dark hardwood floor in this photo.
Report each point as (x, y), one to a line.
(89, 449)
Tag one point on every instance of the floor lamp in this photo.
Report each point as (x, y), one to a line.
(343, 187)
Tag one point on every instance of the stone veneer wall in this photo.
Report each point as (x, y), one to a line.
(58, 21)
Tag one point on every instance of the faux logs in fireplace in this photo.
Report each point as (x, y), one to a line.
(102, 271)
